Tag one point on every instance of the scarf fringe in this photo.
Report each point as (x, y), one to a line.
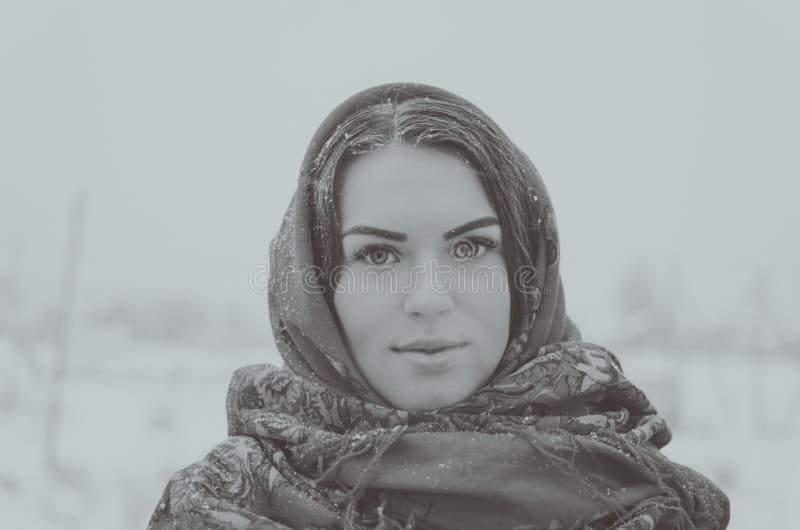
(348, 447)
(574, 444)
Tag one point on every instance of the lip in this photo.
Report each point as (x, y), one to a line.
(429, 346)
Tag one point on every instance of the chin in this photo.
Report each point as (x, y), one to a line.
(435, 402)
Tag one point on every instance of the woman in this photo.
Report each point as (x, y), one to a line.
(432, 378)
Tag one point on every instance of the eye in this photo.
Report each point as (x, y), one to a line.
(470, 248)
(375, 254)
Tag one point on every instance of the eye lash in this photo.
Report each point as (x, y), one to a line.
(482, 241)
(362, 252)
(485, 241)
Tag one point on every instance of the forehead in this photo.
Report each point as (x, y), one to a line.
(412, 187)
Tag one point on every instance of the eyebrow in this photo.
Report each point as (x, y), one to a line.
(399, 236)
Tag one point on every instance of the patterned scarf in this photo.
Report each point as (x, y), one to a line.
(557, 439)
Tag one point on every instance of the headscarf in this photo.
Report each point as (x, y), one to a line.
(558, 437)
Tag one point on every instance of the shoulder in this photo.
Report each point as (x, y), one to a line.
(213, 481)
(244, 390)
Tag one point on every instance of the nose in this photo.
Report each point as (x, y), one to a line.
(427, 300)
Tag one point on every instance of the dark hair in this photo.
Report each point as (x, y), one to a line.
(441, 121)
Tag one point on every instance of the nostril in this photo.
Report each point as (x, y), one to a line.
(427, 312)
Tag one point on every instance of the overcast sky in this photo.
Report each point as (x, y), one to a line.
(666, 133)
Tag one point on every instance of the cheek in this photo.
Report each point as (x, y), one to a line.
(361, 315)
(489, 302)
(496, 312)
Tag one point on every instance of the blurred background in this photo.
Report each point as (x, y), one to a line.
(148, 151)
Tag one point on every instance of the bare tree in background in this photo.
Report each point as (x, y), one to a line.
(64, 324)
(647, 317)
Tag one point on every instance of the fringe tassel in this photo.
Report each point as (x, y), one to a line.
(379, 445)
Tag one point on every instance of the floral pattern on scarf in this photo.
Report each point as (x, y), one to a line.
(306, 456)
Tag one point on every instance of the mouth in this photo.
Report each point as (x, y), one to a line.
(428, 346)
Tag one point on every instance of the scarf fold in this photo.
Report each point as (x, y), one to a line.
(558, 438)
(565, 441)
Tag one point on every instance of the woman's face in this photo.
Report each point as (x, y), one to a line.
(422, 263)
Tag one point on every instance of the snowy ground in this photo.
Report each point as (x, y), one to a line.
(134, 417)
